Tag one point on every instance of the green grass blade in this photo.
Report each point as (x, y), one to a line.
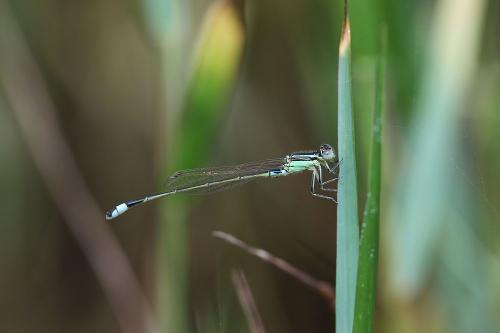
(347, 210)
(366, 287)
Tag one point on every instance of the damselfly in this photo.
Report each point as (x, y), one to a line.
(218, 179)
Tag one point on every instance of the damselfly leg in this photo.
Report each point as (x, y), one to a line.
(318, 176)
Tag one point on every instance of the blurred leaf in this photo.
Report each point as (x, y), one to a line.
(169, 23)
(217, 58)
(214, 71)
(366, 287)
(423, 195)
(347, 209)
(166, 19)
(434, 223)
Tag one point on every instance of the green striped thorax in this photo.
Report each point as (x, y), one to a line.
(310, 160)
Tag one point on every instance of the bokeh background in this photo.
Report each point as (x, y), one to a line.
(101, 100)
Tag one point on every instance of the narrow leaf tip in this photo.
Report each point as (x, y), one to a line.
(345, 41)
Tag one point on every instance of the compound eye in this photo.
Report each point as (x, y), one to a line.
(326, 152)
(325, 147)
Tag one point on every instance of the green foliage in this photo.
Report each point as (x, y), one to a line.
(366, 286)
(347, 209)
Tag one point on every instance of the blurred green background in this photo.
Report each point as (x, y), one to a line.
(141, 88)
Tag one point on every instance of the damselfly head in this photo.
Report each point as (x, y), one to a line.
(326, 151)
